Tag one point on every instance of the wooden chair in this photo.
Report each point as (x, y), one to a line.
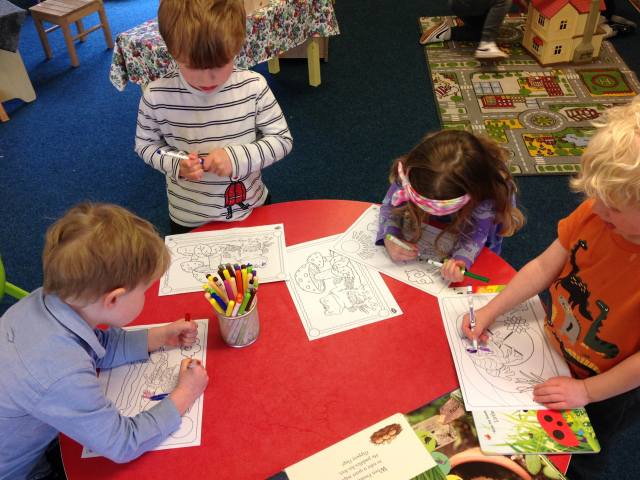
(62, 13)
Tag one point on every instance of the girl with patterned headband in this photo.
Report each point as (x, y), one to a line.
(462, 181)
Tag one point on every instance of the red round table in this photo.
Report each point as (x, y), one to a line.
(284, 398)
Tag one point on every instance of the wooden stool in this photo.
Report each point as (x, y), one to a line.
(64, 12)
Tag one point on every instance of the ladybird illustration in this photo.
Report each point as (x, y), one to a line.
(235, 194)
(556, 427)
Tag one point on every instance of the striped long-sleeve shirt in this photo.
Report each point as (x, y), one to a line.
(242, 116)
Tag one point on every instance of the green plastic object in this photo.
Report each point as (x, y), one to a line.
(6, 287)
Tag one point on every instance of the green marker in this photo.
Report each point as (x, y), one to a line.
(398, 242)
(464, 272)
(247, 296)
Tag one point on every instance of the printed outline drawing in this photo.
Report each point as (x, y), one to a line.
(195, 255)
(358, 243)
(350, 289)
(156, 376)
(517, 356)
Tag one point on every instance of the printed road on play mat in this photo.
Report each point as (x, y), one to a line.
(542, 115)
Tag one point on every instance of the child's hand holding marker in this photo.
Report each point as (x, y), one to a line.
(483, 321)
(181, 332)
(191, 384)
(400, 251)
(453, 270)
(218, 162)
(190, 166)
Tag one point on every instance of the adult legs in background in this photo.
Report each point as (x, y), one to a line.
(482, 21)
(608, 419)
(617, 24)
(491, 12)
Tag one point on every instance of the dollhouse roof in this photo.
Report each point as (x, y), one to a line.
(550, 7)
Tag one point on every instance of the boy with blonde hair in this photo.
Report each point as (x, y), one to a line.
(208, 108)
(592, 273)
(98, 262)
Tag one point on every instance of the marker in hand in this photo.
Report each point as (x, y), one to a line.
(399, 243)
(194, 363)
(176, 155)
(464, 272)
(472, 318)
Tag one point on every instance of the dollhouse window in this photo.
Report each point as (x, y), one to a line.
(557, 50)
(541, 19)
(536, 47)
(563, 25)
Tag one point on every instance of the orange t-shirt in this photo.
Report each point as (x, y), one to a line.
(595, 319)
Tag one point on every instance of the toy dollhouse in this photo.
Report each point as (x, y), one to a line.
(563, 31)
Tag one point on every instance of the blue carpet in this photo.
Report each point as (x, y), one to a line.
(75, 141)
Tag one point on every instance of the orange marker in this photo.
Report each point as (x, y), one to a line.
(239, 281)
(217, 289)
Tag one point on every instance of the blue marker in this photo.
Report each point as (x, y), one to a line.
(218, 299)
(157, 398)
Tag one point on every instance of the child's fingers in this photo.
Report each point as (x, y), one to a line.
(184, 365)
(188, 339)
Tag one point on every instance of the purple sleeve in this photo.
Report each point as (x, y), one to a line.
(468, 244)
(389, 223)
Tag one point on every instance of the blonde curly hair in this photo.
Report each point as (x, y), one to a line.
(610, 166)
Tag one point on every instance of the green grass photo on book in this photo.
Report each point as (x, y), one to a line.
(531, 431)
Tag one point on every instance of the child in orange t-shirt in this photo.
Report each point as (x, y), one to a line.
(591, 271)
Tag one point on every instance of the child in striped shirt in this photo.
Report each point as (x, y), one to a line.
(225, 119)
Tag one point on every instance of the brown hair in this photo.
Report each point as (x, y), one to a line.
(96, 248)
(450, 163)
(203, 34)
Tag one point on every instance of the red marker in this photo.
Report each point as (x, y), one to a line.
(187, 317)
(194, 364)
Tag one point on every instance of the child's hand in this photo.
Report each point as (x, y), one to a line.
(191, 169)
(181, 333)
(483, 321)
(218, 162)
(191, 384)
(559, 393)
(451, 270)
(398, 253)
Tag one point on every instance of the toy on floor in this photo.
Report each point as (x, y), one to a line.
(563, 31)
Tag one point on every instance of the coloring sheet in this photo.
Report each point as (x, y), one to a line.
(518, 355)
(194, 255)
(358, 243)
(333, 293)
(129, 386)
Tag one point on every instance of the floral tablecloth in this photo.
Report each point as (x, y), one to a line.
(141, 56)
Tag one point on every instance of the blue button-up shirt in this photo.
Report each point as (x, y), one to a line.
(48, 383)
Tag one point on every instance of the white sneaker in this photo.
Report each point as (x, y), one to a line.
(608, 31)
(438, 33)
(490, 51)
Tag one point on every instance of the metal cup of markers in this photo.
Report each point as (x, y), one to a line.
(241, 330)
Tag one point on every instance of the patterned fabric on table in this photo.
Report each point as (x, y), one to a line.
(141, 57)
